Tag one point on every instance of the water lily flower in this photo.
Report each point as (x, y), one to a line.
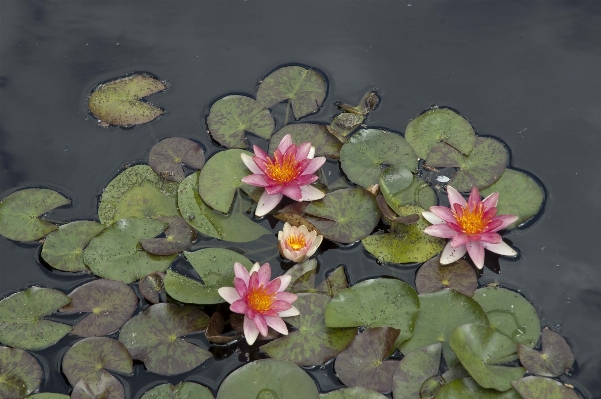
(297, 243)
(290, 172)
(472, 227)
(262, 302)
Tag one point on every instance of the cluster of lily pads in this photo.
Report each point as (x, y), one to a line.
(457, 340)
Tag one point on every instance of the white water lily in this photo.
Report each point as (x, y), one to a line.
(298, 243)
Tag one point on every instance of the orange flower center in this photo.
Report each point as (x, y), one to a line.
(283, 169)
(259, 300)
(296, 241)
(472, 221)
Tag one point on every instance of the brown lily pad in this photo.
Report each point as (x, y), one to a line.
(167, 157)
(178, 237)
(555, 359)
(460, 276)
(151, 287)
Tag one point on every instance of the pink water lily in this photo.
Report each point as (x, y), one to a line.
(472, 227)
(290, 172)
(262, 302)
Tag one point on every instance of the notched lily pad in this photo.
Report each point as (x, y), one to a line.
(20, 212)
(167, 157)
(118, 102)
(538, 387)
(460, 276)
(353, 393)
(151, 287)
(415, 368)
(178, 237)
(183, 390)
(555, 359)
(20, 373)
(106, 387)
(325, 144)
(63, 248)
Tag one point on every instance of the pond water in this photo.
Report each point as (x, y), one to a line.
(526, 72)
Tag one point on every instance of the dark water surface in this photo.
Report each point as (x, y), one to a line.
(524, 71)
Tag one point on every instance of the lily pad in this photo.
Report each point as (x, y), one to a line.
(302, 275)
(47, 395)
(183, 390)
(378, 302)
(394, 179)
(482, 167)
(345, 215)
(460, 276)
(363, 362)
(418, 192)
(436, 125)
(178, 237)
(325, 144)
(334, 282)
(555, 359)
(118, 102)
(106, 387)
(480, 349)
(152, 286)
(149, 194)
(467, 388)
(538, 387)
(63, 248)
(313, 343)
(167, 157)
(116, 254)
(440, 312)
(20, 373)
(231, 116)
(295, 215)
(352, 393)
(415, 368)
(305, 88)
(344, 124)
(110, 304)
(153, 337)
(215, 266)
(20, 211)
(91, 357)
(519, 194)
(21, 323)
(369, 151)
(215, 329)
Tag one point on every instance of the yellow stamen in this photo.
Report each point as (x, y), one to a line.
(259, 300)
(296, 241)
(472, 221)
(283, 170)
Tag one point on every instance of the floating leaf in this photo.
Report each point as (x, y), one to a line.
(20, 373)
(149, 194)
(152, 286)
(167, 157)
(440, 312)
(555, 359)
(369, 151)
(215, 329)
(20, 211)
(285, 380)
(115, 253)
(363, 364)
(418, 193)
(344, 124)
(394, 179)
(21, 323)
(231, 116)
(63, 248)
(440, 124)
(106, 387)
(325, 144)
(415, 368)
(460, 276)
(152, 337)
(90, 358)
(368, 103)
(295, 215)
(47, 395)
(352, 393)
(467, 388)
(378, 302)
(519, 194)
(305, 88)
(302, 271)
(345, 215)
(334, 282)
(183, 390)
(110, 303)
(538, 387)
(313, 343)
(178, 237)
(118, 102)
(480, 349)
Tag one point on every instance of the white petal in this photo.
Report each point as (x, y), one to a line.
(432, 218)
(311, 193)
(289, 313)
(277, 324)
(311, 153)
(250, 164)
(255, 268)
(501, 248)
(229, 294)
(450, 254)
(267, 202)
(251, 332)
(285, 281)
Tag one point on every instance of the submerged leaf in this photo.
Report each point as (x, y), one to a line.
(415, 368)
(20, 373)
(538, 387)
(555, 359)
(460, 276)
(178, 237)
(167, 157)
(63, 248)
(183, 390)
(325, 144)
(215, 329)
(152, 286)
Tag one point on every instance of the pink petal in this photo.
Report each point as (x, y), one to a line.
(289, 313)
(491, 201)
(264, 274)
(261, 164)
(460, 240)
(293, 192)
(476, 251)
(311, 193)
(290, 152)
(285, 143)
(450, 254)
(304, 180)
(256, 180)
(501, 248)
(455, 197)
(251, 332)
(490, 213)
(303, 151)
(440, 230)
(285, 281)
(273, 286)
(286, 296)
(266, 203)
(250, 164)
(444, 213)
(432, 218)
(490, 238)
(274, 189)
(241, 287)
(239, 306)
(260, 153)
(277, 324)
(261, 324)
(253, 284)
(229, 294)
(241, 272)
(474, 198)
(314, 165)
(506, 220)
(280, 306)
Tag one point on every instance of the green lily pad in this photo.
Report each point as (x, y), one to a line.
(149, 194)
(305, 88)
(106, 386)
(296, 216)
(152, 286)
(47, 395)
(378, 302)
(415, 368)
(110, 304)
(460, 276)
(369, 151)
(418, 192)
(91, 357)
(406, 243)
(519, 194)
(344, 124)
(167, 157)
(118, 102)
(153, 337)
(335, 282)
(345, 215)
(313, 343)
(555, 359)
(21, 323)
(325, 144)
(20, 373)
(436, 125)
(285, 380)
(352, 393)
(20, 211)
(63, 248)
(440, 312)
(302, 276)
(394, 179)
(178, 237)
(183, 390)
(482, 167)
(215, 266)
(480, 349)
(510, 314)
(231, 116)
(467, 388)
(363, 362)
(538, 387)
(116, 254)
(235, 227)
